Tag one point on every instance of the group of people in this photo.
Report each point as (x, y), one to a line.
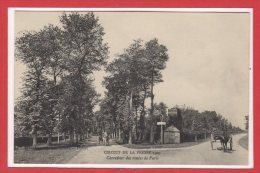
(104, 138)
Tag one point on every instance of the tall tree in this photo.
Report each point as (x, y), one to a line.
(125, 73)
(34, 92)
(55, 57)
(140, 68)
(156, 57)
(83, 42)
(86, 52)
(52, 38)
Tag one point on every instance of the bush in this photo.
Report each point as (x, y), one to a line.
(23, 142)
(28, 141)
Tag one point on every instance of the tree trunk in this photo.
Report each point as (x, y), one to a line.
(77, 138)
(136, 124)
(151, 134)
(142, 119)
(80, 137)
(130, 137)
(58, 137)
(142, 127)
(64, 136)
(115, 133)
(34, 140)
(195, 138)
(71, 137)
(119, 134)
(49, 142)
(130, 115)
(152, 97)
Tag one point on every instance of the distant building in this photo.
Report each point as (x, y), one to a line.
(175, 118)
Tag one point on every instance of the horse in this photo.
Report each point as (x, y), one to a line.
(224, 140)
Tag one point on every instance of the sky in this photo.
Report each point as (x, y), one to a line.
(208, 66)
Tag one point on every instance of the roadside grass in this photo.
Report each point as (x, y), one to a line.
(151, 146)
(43, 154)
(244, 142)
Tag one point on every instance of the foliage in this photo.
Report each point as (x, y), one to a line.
(195, 122)
(59, 63)
(130, 80)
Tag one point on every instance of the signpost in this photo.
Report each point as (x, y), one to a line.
(161, 124)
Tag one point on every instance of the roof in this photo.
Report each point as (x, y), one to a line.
(172, 129)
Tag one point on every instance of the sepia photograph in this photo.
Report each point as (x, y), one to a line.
(130, 88)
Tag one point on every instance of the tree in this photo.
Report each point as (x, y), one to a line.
(32, 53)
(196, 123)
(77, 103)
(55, 66)
(55, 57)
(124, 83)
(85, 52)
(136, 71)
(156, 57)
(83, 42)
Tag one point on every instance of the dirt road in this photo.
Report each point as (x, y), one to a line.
(200, 154)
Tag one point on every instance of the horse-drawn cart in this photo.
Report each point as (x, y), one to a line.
(224, 138)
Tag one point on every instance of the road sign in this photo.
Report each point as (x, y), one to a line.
(161, 123)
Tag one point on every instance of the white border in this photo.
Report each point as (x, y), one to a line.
(11, 38)
(251, 96)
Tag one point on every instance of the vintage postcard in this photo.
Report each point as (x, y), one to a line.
(130, 88)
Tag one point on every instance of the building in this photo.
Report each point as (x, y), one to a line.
(171, 135)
